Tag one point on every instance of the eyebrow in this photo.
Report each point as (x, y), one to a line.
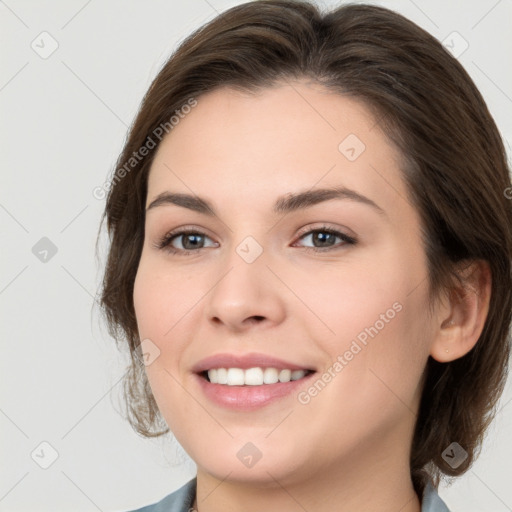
(284, 204)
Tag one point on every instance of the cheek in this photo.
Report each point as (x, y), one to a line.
(162, 298)
(362, 299)
(166, 304)
(377, 356)
(373, 318)
(161, 315)
(148, 305)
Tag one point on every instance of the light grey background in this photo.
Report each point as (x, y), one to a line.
(64, 117)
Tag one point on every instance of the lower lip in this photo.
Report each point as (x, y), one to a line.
(247, 398)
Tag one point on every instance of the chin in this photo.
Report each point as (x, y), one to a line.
(259, 463)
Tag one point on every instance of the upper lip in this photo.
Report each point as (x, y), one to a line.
(245, 361)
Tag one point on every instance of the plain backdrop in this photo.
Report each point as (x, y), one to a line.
(72, 75)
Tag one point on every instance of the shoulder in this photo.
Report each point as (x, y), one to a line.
(432, 502)
(180, 500)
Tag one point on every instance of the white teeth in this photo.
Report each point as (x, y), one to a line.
(270, 376)
(222, 376)
(236, 377)
(284, 375)
(213, 375)
(252, 376)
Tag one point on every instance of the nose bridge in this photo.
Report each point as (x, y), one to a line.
(245, 289)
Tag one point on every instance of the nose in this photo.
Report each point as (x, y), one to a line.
(247, 295)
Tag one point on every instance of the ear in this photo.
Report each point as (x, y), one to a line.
(461, 316)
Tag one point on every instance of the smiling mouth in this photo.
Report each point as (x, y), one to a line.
(256, 376)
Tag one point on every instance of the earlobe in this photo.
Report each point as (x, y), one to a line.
(462, 318)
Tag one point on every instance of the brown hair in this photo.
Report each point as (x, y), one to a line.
(454, 165)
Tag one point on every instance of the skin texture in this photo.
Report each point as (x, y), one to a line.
(348, 448)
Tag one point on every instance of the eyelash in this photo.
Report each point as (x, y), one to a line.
(165, 241)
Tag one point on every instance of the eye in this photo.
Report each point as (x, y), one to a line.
(188, 241)
(184, 242)
(324, 238)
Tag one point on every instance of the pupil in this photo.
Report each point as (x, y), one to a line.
(194, 241)
(323, 238)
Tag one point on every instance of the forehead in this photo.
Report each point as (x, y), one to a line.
(281, 139)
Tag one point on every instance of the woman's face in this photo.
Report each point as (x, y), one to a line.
(280, 275)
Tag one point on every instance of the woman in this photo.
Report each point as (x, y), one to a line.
(310, 261)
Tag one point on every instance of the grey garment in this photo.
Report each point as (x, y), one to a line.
(432, 502)
(182, 500)
(178, 501)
